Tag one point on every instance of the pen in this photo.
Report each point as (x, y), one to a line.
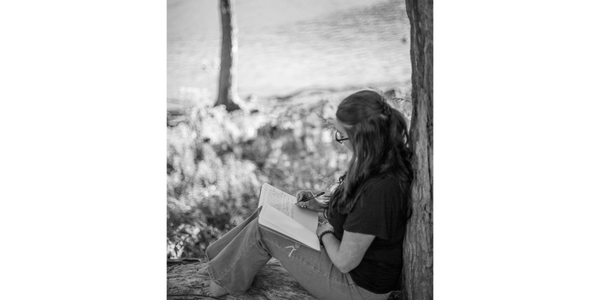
(313, 197)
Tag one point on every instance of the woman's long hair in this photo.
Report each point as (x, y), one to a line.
(380, 143)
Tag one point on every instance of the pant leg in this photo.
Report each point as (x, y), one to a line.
(313, 269)
(251, 247)
(215, 248)
(241, 256)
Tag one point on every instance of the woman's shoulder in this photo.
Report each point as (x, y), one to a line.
(388, 185)
(380, 192)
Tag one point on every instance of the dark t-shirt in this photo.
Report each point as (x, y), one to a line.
(377, 212)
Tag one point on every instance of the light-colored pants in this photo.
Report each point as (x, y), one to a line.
(238, 256)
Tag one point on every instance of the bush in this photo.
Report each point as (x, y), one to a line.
(217, 162)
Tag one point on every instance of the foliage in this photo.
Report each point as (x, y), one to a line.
(217, 161)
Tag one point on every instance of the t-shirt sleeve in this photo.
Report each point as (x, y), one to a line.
(374, 211)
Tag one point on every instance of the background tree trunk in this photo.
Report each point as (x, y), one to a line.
(418, 249)
(228, 78)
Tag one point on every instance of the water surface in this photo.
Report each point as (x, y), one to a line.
(286, 46)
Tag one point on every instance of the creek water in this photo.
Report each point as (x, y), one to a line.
(286, 46)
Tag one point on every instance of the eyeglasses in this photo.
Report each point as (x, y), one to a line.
(339, 138)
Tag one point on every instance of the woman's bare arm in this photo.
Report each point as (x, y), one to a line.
(347, 254)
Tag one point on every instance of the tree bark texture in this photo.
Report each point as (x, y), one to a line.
(228, 74)
(271, 282)
(418, 249)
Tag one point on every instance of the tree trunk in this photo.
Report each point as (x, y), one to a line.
(418, 249)
(228, 78)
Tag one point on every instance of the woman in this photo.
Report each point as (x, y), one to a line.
(361, 253)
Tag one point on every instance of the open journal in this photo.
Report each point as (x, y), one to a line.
(279, 213)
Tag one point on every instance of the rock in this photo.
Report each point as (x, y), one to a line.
(272, 282)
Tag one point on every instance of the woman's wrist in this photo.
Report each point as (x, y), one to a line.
(323, 234)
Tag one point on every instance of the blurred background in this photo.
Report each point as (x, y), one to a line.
(296, 61)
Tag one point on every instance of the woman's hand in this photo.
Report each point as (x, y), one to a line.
(323, 227)
(314, 204)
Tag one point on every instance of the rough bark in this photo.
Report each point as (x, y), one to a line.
(228, 74)
(272, 282)
(418, 249)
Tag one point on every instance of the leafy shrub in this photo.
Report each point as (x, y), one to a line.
(217, 161)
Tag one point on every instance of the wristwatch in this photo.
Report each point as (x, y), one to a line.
(323, 233)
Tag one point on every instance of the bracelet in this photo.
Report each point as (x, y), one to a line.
(323, 233)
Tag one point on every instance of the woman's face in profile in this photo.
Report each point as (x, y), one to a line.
(342, 135)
